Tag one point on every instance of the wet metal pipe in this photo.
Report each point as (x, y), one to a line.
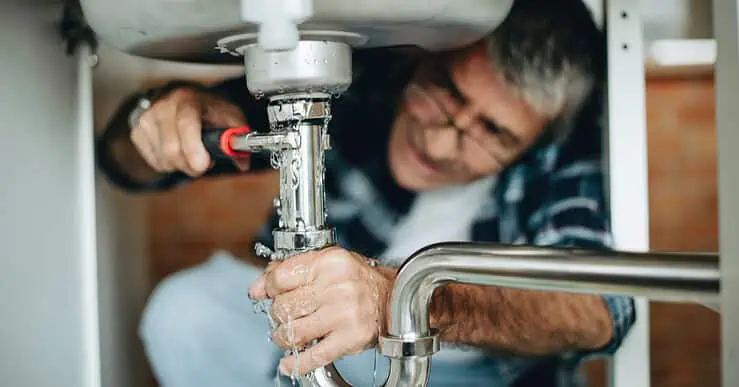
(675, 277)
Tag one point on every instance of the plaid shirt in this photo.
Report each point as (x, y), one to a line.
(552, 196)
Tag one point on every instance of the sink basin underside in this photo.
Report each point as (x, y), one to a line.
(188, 30)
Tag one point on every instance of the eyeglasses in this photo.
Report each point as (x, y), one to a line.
(444, 103)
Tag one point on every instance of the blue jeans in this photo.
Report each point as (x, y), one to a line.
(199, 329)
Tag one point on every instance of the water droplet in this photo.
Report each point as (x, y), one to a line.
(293, 347)
(300, 271)
(374, 366)
(325, 61)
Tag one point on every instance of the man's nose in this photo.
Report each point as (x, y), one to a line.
(465, 117)
(443, 144)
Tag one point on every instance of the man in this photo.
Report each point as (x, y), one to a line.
(499, 141)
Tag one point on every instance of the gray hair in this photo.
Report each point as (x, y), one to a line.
(552, 54)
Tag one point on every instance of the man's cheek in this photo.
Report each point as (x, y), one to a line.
(416, 106)
(475, 168)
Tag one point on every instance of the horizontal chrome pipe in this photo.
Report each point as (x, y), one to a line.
(691, 277)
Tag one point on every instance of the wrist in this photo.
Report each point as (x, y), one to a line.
(389, 273)
(142, 105)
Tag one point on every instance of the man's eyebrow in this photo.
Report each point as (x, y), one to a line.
(453, 89)
(507, 136)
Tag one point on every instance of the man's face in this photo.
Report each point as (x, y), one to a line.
(458, 122)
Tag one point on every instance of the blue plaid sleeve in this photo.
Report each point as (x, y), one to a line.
(575, 215)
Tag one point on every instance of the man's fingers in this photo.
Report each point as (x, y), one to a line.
(299, 332)
(257, 290)
(180, 109)
(170, 147)
(332, 263)
(291, 274)
(220, 113)
(189, 129)
(324, 352)
(149, 126)
(295, 304)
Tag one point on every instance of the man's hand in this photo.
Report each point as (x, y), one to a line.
(168, 135)
(333, 295)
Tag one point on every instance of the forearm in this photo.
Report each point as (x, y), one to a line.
(524, 322)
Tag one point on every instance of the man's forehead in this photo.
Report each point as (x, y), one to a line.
(473, 69)
(474, 73)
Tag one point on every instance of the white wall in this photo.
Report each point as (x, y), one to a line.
(122, 228)
(47, 325)
(41, 303)
(123, 285)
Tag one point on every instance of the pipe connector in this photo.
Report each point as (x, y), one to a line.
(401, 348)
(260, 142)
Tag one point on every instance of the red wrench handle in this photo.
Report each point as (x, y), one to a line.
(218, 142)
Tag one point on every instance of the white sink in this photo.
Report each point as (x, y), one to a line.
(187, 30)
